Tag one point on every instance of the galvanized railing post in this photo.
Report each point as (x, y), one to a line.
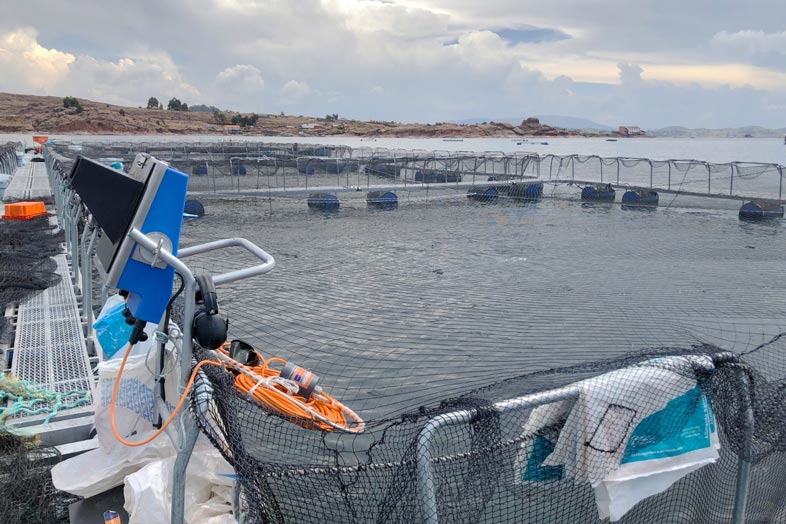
(745, 459)
(427, 489)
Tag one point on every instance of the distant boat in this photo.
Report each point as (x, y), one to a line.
(518, 143)
(611, 140)
(452, 139)
(544, 143)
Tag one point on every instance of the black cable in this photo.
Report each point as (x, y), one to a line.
(161, 360)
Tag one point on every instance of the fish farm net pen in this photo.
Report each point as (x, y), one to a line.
(28, 496)
(442, 308)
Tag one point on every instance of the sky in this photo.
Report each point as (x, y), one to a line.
(696, 63)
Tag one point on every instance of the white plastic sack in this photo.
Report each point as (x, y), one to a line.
(613, 434)
(134, 408)
(101, 469)
(208, 497)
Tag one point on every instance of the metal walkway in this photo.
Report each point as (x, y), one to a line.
(29, 182)
(50, 351)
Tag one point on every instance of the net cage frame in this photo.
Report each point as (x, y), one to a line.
(518, 166)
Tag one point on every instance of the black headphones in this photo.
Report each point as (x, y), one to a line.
(209, 327)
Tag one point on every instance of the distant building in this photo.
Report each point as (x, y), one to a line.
(231, 129)
(310, 126)
(629, 130)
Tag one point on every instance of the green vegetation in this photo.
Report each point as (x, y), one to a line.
(153, 103)
(220, 117)
(245, 120)
(176, 105)
(202, 108)
(71, 101)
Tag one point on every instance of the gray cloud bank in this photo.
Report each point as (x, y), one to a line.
(700, 64)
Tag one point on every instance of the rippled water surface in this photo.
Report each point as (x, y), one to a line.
(395, 309)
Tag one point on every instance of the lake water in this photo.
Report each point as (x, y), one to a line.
(396, 309)
(767, 150)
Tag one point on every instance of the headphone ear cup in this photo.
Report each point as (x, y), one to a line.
(210, 331)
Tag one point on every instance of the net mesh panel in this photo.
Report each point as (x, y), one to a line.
(26, 483)
(28, 496)
(445, 304)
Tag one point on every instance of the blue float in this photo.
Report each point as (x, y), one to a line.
(483, 194)
(323, 201)
(194, 207)
(382, 199)
(598, 193)
(526, 191)
(431, 177)
(640, 197)
(239, 170)
(760, 210)
(200, 170)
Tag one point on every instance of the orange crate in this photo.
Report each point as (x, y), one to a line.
(24, 210)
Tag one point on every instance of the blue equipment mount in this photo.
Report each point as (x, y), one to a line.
(151, 199)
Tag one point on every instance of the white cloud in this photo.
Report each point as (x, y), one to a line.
(378, 90)
(130, 80)
(27, 66)
(241, 77)
(295, 89)
(752, 42)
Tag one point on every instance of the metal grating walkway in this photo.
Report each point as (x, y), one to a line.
(49, 348)
(29, 182)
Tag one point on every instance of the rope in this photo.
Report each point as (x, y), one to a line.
(29, 399)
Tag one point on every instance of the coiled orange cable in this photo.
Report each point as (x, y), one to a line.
(321, 411)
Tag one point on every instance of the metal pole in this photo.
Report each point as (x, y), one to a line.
(618, 171)
(744, 465)
(601, 169)
(669, 186)
(427, 492)
(177, 515)
(780, 187)
(731, 182)
(650, 161)
(709, 178)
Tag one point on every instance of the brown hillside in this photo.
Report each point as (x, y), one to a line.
(46, 114)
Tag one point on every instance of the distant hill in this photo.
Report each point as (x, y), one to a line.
(51, 114)
(561, 121)
(729, 132)
(573, 122)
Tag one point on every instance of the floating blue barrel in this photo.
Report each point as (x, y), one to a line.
(382, 199)
(640, 197)
(526, 191)
(760, 210)
(598, 193)
(239, 170)
(431, 177)
(483, 194)
(323, 201)
(200, 169)
(492, 179)
(194, 207)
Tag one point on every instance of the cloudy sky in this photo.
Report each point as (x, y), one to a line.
(712, 63)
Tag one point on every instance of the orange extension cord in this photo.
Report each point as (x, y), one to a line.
(321, 411)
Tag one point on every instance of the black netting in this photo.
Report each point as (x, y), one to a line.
(28, 496)
(25, 264)
(480, 470)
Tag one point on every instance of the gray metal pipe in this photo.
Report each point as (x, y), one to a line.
(426, 489)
